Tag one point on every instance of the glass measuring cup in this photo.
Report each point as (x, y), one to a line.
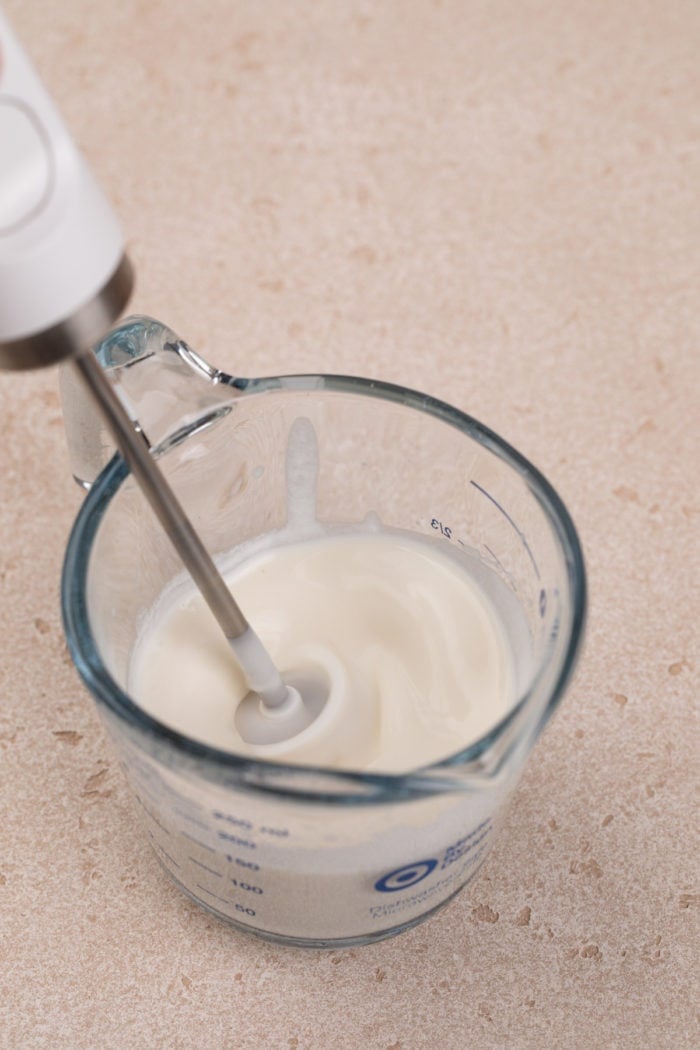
(303, 855)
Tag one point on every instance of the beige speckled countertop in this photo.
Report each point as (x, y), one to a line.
(495, 201)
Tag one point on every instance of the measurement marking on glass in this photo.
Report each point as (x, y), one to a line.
(502, 567)
(495, 557)
(145, 790)
(508, 518)
(251, 865)
(192, 820)
(200, 865)
(164, 852)
(439, 526)
(202, 845)
(214, 895)
(238, 822)
(248, 887)
(243, 843)
(153, 818)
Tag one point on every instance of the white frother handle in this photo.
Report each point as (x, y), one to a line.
(61, 248)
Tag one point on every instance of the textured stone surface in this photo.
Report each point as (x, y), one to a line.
(492, 200)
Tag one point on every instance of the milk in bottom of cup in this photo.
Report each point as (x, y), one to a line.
(303, 853)
(311, 874)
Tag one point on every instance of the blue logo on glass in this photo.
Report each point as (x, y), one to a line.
(402, 878)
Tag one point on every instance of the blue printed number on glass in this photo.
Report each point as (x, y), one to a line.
(401, 878)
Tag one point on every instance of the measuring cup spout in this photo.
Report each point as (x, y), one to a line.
(161, 381)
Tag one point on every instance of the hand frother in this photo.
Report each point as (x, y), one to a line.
(64, 279)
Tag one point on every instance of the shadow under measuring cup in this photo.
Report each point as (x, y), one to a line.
(305, 854)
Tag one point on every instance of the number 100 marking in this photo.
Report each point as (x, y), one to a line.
(247, 886)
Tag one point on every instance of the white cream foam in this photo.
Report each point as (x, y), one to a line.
(427, 663)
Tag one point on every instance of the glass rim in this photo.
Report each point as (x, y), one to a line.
(246, 772)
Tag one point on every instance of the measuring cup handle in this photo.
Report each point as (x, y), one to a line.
(162, 383)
